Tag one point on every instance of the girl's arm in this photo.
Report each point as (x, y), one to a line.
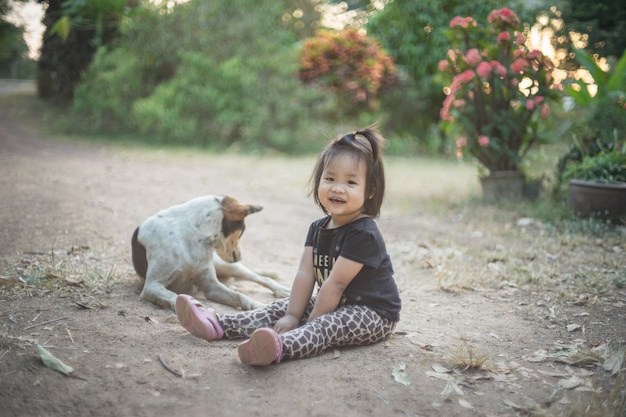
(343, 272)
(301, 291)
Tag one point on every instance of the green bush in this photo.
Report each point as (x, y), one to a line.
(206, 74)
(257, 103)
(103, 101)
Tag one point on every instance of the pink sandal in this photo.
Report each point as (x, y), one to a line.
(199, 321)
(263, 348)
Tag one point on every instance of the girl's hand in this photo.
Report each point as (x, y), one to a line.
(288, 322)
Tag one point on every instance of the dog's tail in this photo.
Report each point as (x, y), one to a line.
(140, 260)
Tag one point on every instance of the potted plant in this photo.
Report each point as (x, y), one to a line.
(595, 165)
(498, 91)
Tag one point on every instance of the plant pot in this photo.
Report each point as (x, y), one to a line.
(607, 201)
(502, 185)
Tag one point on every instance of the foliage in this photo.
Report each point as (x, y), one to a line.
(202, 73)
(414, 34)
(499, 90)
(104, 100)
(600, 128)
(348, 63)
(607, 166)
(13, 48)
(93, 15)
(602, 21)
(67, 49)
(218, 104)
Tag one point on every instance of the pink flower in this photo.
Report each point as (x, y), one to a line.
(483, 140)
(498, 68)
(443, 65)
(530, 105)
(461, 142)
(545, 111)
(465, 76)
(520, 38)
(504, 37)
(458, 103)
(472, 57)
(519, 65)
(483, 69)
(452, 55)
(538, 99)
(444, 113)
(463, 22)
(503, 17)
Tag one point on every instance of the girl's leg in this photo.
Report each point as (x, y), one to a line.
(243, 324)
(349, 325)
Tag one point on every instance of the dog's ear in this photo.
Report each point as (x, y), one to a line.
(236, 211)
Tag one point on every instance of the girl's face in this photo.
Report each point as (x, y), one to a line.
(342, 189)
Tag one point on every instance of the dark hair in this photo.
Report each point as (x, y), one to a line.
(365, 145)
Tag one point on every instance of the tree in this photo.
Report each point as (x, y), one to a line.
(603, 22)
(74, 30)
(12, 44)
(205, 73)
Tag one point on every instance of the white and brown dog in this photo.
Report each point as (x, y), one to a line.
(192, 246)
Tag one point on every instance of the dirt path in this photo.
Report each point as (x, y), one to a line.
(67, 212)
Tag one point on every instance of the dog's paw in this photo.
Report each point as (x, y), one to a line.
(281, 292)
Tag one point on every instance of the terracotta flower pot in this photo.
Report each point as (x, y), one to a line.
(607, 201)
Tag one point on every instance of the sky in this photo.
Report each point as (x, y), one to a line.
(29, 15)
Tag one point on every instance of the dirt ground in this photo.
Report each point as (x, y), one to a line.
(490, 324)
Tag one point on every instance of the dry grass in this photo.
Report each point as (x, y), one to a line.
(76, 270)
(467, 358)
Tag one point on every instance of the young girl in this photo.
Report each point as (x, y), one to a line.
(357, 302)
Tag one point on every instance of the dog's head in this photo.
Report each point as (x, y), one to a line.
(233, 227)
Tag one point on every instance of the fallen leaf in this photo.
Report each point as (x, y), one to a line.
(400, 375)
(448, 390)
(52, 362)
(440, 368)
(8, 281)
(614, 362)
(573, 327)
(425, 346)
(438, 375)
(571, 383)
(465, 404)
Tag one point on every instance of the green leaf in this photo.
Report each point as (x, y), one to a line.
(52, 362)
(400, 375)
(590, 64)
(62, 27)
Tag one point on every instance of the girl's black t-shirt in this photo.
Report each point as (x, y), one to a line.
(360, 241)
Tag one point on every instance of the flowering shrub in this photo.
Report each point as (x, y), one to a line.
(498, 89)
(349, 63)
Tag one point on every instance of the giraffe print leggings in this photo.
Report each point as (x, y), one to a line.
(349, 325)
